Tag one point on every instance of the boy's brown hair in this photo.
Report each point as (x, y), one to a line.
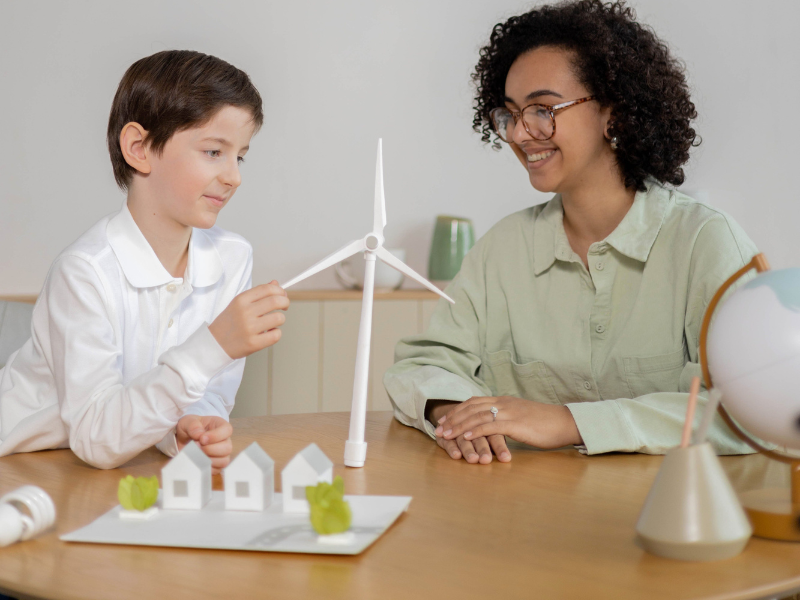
(171, 91)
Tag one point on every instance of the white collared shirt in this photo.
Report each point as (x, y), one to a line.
(120, 349)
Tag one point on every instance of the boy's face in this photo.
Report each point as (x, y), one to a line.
(198, 170)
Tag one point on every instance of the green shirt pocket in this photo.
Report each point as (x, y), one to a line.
(530, 380)
(658, 373)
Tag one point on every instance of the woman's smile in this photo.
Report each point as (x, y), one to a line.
(540, 159)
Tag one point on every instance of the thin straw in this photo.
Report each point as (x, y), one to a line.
(687, 426)
(714, 396)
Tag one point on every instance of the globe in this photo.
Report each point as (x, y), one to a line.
(753, 354)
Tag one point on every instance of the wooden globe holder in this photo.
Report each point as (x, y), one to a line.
(774, 513)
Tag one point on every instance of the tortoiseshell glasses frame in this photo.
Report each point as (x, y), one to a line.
(539, 120)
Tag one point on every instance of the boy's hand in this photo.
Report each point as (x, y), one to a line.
(250, 322)
(212, 434)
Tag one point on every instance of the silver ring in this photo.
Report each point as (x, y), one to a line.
(494, 412)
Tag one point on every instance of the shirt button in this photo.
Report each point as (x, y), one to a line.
(172, 287)
(587, 385)
(599, 329)
(599, 266)
(170, 323)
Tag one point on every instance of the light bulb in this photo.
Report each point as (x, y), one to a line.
(14, 524)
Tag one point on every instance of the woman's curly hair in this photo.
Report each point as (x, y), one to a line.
(622, 63)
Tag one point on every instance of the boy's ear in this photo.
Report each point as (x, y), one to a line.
(134, 149)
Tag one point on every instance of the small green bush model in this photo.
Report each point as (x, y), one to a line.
(138, 494)
(330, 512)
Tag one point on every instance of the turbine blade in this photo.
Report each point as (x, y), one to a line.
(396, 263)
(344, 252)
(379, 221)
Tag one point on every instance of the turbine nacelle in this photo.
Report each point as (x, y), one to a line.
(372, 242)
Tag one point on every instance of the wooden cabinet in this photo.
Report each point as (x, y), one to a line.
(311, 368)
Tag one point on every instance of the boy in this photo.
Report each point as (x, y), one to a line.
(121, 355)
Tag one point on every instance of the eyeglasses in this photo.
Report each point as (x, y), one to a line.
(539, 119)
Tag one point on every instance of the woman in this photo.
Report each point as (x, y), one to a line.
(577, 321)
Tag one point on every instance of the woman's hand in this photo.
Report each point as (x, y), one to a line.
(474, 450)
(533, 423)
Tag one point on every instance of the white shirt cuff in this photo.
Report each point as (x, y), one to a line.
(169, 444)
(198, 360)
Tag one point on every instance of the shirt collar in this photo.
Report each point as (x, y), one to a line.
(141, 265)
(549, 237)
(205, 265)
(633, 237)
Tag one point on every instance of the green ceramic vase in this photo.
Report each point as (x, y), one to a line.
(452, 239)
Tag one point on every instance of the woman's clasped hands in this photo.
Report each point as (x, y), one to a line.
(476, 428)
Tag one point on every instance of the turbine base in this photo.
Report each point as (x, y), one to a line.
(355, 453)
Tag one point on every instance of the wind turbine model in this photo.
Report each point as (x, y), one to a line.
(355, 450)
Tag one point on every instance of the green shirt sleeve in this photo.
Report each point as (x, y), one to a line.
(443, 363)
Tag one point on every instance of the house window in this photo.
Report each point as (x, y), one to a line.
(180, 488)
(242, 489)
(299, 492)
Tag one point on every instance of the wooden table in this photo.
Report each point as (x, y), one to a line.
(546, 525)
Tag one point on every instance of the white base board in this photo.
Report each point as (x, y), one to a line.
(269, 531)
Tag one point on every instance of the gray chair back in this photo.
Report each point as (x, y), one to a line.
(15, 327)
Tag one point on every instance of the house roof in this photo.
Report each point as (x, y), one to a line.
(195, 455)
(256, 454)
(316, 458)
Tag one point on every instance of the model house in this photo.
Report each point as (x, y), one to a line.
(308, 467)
(186, 480)
(249, 480)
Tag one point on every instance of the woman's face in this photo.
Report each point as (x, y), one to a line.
(578, 151)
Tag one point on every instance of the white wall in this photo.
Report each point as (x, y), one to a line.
(335, 77)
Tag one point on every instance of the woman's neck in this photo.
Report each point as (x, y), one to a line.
(593, 209)
(168, 238)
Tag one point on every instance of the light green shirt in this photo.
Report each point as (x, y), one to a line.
(616, 343)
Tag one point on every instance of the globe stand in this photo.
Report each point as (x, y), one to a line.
(774, 513)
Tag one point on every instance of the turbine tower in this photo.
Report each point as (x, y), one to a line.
(355, 450)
